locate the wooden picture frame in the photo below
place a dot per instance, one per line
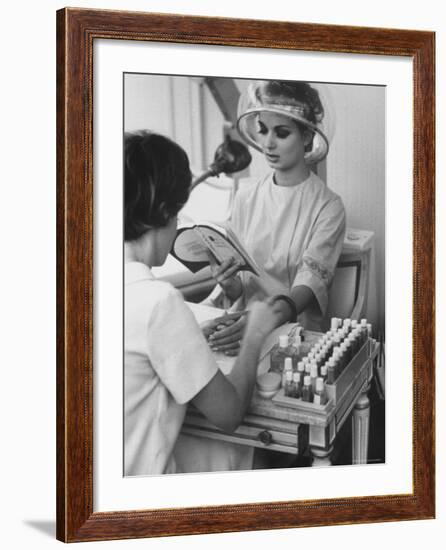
(77, 29)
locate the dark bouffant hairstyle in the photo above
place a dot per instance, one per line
(157, 180)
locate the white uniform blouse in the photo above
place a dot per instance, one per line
(167, 362)
(295, 235)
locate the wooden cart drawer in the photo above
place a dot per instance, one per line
(264, 433)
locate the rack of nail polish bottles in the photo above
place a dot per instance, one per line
(335, 364)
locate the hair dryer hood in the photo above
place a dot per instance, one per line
(231, 156)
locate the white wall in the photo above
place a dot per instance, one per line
(28, 274)
(147, 103)
(178, 107)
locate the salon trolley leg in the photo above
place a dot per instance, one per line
(321, 457)
(360, 429)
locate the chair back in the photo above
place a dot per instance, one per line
(349, 289)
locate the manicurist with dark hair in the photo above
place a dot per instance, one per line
(167, 360)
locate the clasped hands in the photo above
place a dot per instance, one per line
(225, 333)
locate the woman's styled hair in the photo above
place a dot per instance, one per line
(157, 180)
(299, 101)
(298, 93)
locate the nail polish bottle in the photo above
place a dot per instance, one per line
(331, 371)
(279, 354)
(307, 391)
(320, 395)
(288, 389)
(297, 385)
(363, 328)
(324, 372)
(313, 376)
(288, 367)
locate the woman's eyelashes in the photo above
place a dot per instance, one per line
(281, 133)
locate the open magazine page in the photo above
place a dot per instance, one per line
(194, 241)
(222, 244)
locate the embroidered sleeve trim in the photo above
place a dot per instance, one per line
(309, 264)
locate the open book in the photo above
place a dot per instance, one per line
(194, 241)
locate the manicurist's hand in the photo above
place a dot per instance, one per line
(228, 334)
(262, 318)
(226, 276)
(226, 320)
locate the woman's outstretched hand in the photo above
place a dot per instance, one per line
(226, 276)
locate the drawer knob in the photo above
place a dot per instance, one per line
(265, 437)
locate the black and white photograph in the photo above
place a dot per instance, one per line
(254, 274)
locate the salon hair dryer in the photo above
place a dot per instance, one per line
(231, 156)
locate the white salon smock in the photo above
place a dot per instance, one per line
(167, 362)
(295, 235)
